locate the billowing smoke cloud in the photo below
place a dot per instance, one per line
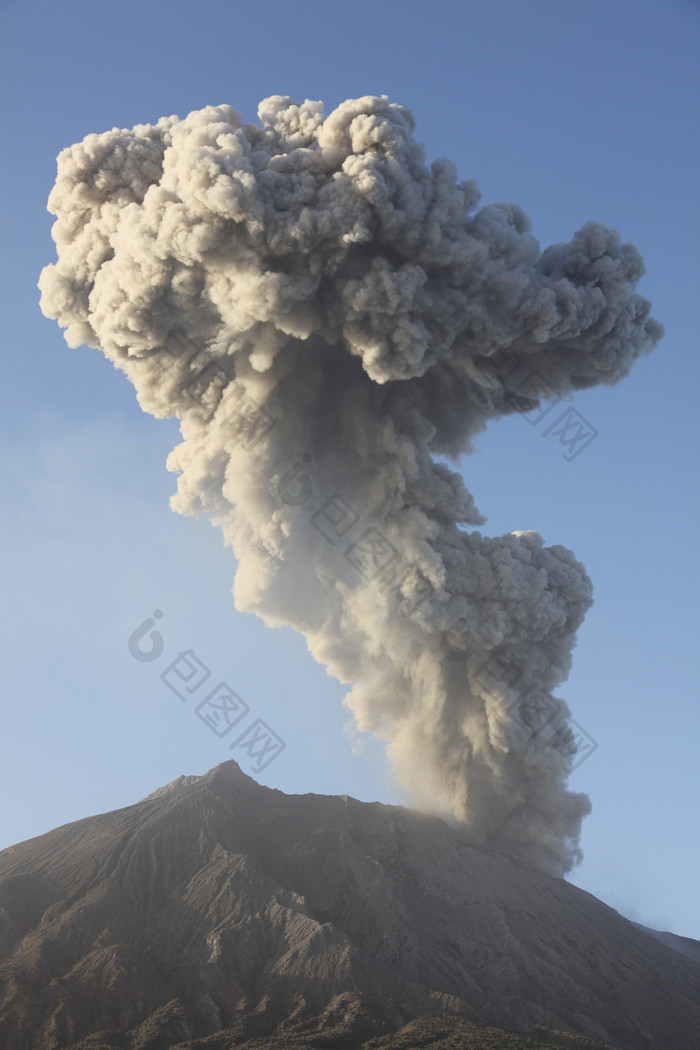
(325, 314)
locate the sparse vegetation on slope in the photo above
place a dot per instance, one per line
(425, 1033)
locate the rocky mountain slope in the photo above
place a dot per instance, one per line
(217, 911)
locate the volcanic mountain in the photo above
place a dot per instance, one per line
(217, 911)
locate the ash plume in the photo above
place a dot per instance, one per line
(324, 312)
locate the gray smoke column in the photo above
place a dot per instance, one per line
(326, 314)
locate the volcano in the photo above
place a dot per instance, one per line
(217, 911)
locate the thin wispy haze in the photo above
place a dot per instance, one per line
(576, 116)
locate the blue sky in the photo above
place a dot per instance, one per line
(575, 111)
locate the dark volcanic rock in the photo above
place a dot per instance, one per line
(216, 904)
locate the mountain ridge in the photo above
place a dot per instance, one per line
(297, 914)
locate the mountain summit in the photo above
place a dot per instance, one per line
(217, 905)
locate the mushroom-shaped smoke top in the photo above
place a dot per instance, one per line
(325, 314)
